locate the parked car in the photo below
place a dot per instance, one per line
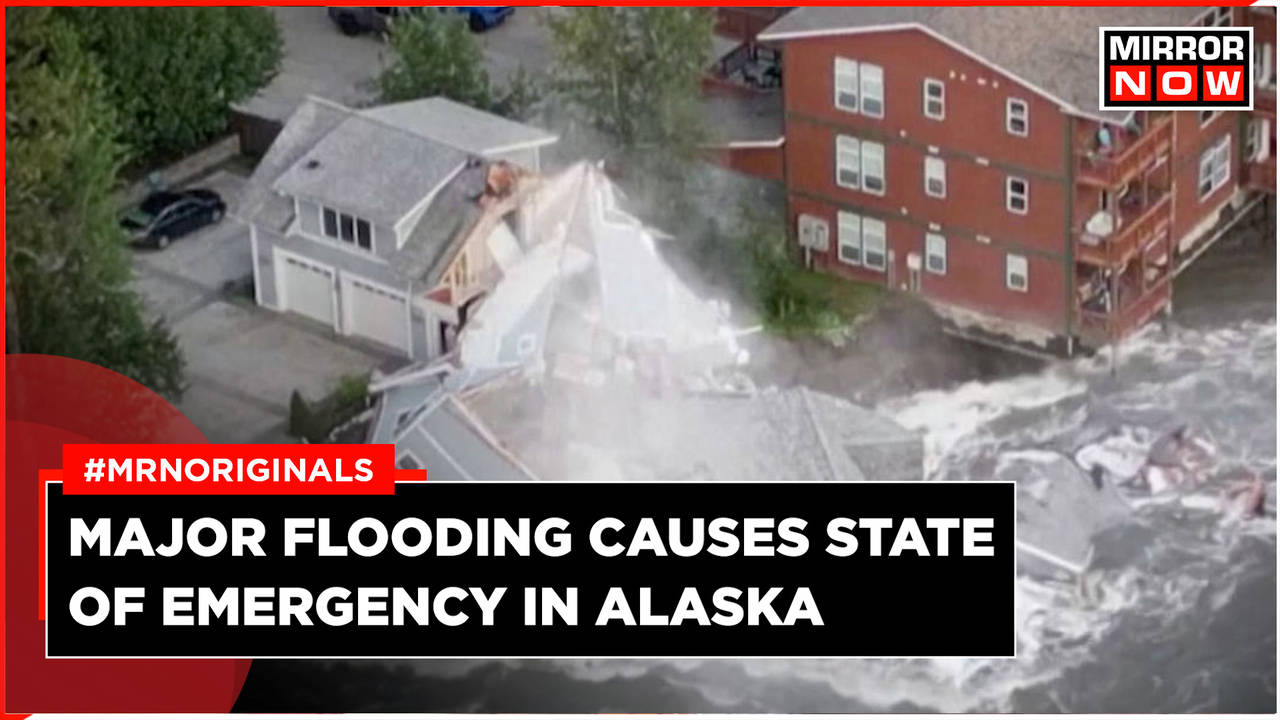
(480, 19)
(355, 20)
(165, 216)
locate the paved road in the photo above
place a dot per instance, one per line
(319, 60)
(243, 361)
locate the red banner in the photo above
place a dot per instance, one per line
(196, 469)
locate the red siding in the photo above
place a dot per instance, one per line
(974, 121)
(1190, 141)
(761, 162)
(979, 154)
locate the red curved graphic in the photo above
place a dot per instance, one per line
(51, 401)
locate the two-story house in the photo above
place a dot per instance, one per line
(959, 153)
(386, 224)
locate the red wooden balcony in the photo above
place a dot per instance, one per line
(1099, 328)
(1139, 224)
(1128, 155)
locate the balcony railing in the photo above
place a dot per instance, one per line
(1127, 156)
(1099, 328)
(1137, 225)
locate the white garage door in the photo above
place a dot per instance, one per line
(376, 313)
(308, 288)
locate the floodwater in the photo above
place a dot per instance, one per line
(1181, 610)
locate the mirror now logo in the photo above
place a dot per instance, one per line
(1149, 68)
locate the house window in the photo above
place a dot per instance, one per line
(1015, 195)
(1215, 167)
(1207, 115)
(1217, 17)
(935, 253)
(873, 244)
(1015, 272)
(873, 168)
(364, 235)
(846, 72)
(1255, 136)
(1015, 116)
(347, 228)
(872, 85)
(1264, 64)
(935, 177)
(849, 235)
(526, 345)
(935, 99)
(848, 162)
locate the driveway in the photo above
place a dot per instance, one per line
(243, 362)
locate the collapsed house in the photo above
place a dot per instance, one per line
(590, 359)
(386, 224)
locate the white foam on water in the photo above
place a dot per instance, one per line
(1058, 624)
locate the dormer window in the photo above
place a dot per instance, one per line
(347, 228)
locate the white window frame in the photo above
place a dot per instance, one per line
(1256, 147)
(873, 166)
(1010, 115)
(848, 234)
(935, 246)
(1009, 194)
(1263, 63)
(935, 168)
(845, 81)
(941, 99)
(1217, 17)
(874, 240)
(1016, 266)
(1208, 116)
(1215, 167)
(848, 157)
(356, 221)
(871, 89)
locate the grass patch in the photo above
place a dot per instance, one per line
(799, 301)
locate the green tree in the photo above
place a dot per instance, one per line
(171, 72)
(67, 265)
(635, 72)
(435, 53)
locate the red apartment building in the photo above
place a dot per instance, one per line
(959, 153)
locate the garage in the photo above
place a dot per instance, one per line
(375, 312)
(307, 287)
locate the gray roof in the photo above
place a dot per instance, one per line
(258, 202)
(460, 126)
(441, 232)
(377, 171)
(1054, 49)
(569, 431)
(424, 418)
(1059, 511)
